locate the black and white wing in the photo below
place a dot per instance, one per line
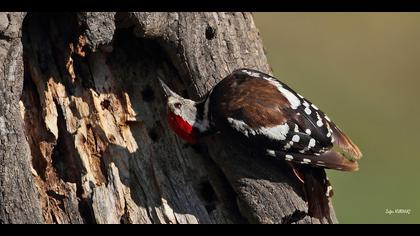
(269, 115)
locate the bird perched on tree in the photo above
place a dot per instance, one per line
(265, 115)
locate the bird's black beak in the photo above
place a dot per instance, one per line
(167, 91)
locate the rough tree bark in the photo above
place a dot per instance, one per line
(82, 122)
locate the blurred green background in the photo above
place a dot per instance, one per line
(363, 70)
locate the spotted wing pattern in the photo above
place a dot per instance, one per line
(271, 116)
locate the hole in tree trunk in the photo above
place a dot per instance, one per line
(147, 94)
(210, 33)
(208, 195)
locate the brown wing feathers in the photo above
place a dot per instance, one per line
(249, 100)
(257, 100)
(344, 142)
(258, 103)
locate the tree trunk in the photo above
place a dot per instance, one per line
(83, 132)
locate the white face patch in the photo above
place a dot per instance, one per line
(308, 131)
(288, 157)
(328, 134)
(308, 111)
(278, 132)
(287, 146)
(316, 108)
(295, 138)
(188, 109)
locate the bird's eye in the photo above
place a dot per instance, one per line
(177, 105)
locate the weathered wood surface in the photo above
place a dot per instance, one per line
(82, 122)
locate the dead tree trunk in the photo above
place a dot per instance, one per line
(82, 122)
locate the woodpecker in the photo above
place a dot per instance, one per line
(267, 116)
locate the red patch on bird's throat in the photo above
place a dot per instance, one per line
(182, 128)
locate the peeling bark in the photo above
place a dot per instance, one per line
(86, 141)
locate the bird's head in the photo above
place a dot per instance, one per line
(181, 114)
